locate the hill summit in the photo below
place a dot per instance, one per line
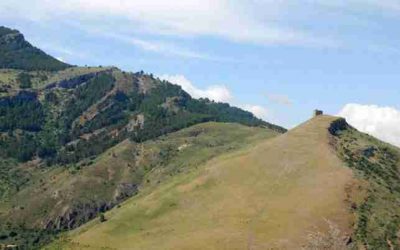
(17, 53)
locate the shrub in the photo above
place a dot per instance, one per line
(24, 80)
(102, 218)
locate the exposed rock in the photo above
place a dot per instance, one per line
(124, 191)
(75, 81)
(72, 216)
(338, 125)
(76, 215)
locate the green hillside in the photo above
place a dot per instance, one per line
(85, 111)
(78, 141)
(49, 200)
(17, 53)
(290, 192)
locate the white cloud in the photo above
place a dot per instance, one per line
(161, 47)
(257, 110)
(381, 122)
(240, 21)
(218, 93)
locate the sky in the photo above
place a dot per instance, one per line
(279, 59)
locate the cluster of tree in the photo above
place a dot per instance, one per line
(25, 238)
(166, 108)
(85, 96)
(17, 53)
(21, 146)
(23, 111)
(24, 80)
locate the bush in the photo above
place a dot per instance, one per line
(24, 80)
(102, 218)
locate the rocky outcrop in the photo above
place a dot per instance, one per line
(73, 216)
(124, 191)
(338, 125)
(75, 81)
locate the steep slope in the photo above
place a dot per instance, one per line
(56, 199)
(17, 53)
(377, 164)
(270, 195)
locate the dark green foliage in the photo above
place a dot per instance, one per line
(56, 136)
(24, 238)
(114, 114)
(16, 53)
(85, 96)
(102, 218)
(22, 111)
(21, 146)
(186, 111)
(12, 179)
(81, 149)
(24, 80)
(223, 112)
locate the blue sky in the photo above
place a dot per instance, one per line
(280, 59)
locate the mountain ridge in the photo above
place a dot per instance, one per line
(17, 53)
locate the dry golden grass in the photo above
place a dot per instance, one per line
(268, 196)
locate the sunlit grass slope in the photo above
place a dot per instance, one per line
(269, 195)
(51, 194)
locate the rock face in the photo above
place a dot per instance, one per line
(76, 215)
(75, 81)
(72, 216)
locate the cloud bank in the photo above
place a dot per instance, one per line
(218, 93)
(381, 122)
(257, 110)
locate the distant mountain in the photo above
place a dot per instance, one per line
(87, 110)
(16, 53)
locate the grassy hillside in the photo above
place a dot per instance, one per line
(54, 199)
(269, 195)
(322, 185)
(17, 53)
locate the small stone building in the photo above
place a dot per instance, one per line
(318, 112)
